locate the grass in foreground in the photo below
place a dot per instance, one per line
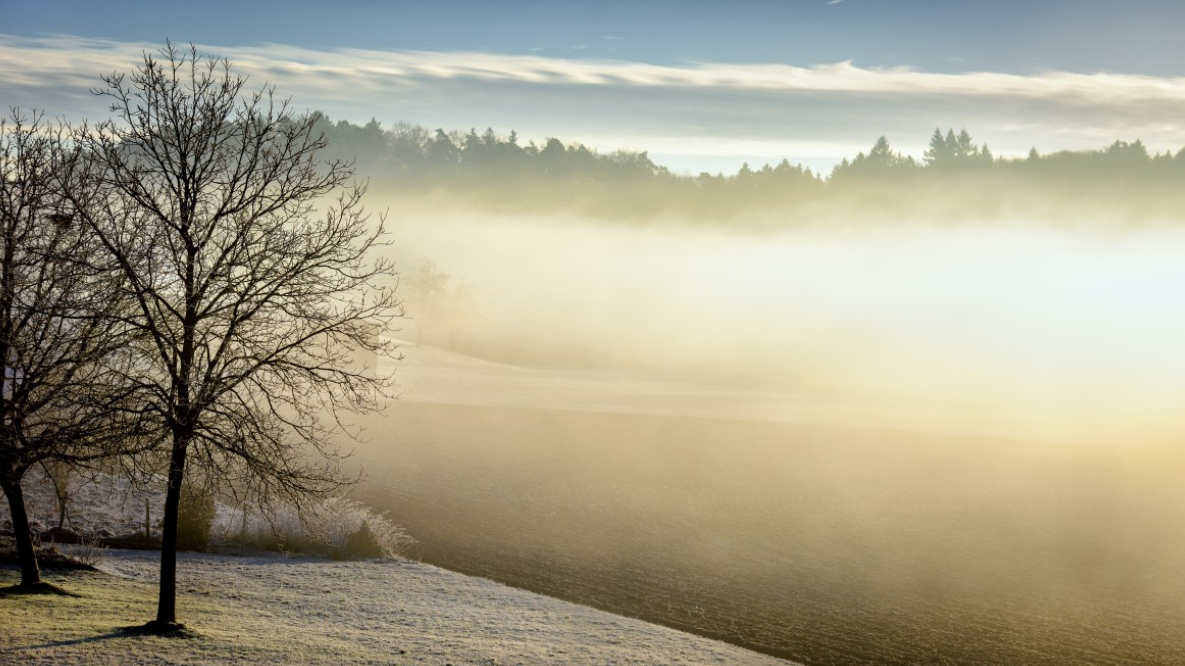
(99, 621)
(306, 611)
(37, 588)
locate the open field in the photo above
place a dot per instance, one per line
(757, 518)
(820, 543)
(270, 610)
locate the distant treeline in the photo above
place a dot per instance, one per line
(955, 179)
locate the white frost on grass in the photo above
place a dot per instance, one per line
(98, 500)
(296, 610)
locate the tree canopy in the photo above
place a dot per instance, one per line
(250, 261)
(67, 396)
(955, 176)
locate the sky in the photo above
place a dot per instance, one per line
(700, 85)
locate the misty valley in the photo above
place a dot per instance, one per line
(845, 445)
(822, 544)
(303, 391)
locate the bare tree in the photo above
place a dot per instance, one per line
(61, 337)
(59, 472)
(251, 263)
(438, 301)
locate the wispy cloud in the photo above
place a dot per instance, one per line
(705, 104)
(30, 60)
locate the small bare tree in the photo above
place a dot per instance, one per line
(58, 473)
(251, 263)
(61, 334)
(436, 300)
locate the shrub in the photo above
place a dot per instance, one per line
(53, 556)
(362, 544)
(195, 518)
(89, 552)
(335, 526)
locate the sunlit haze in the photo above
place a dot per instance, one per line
(846, 332)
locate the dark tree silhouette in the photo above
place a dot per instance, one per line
(939, 152)
(965, 148)
(954, 150)
(882, 155)
(250, 263)
(488, 170)
(61, 335)
(442, 154)
(880, 163)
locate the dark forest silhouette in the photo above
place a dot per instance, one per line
(955, 179)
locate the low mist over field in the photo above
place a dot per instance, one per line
(1046, 331)
(836, 443)
(849, 333)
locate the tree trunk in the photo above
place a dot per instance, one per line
(166, 610)
(59, 474)
(30, 572)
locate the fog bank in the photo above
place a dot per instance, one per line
(1072, 330)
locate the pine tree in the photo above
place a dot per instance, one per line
(965, 148)
(937, 152)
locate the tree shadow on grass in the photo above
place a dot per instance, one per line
(118, 633)
(163, 629)
(168, 631)
(42, 588)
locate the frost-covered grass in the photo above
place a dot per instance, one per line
(103, 501)
(96, 501)
(330, 523)
(270, 609)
